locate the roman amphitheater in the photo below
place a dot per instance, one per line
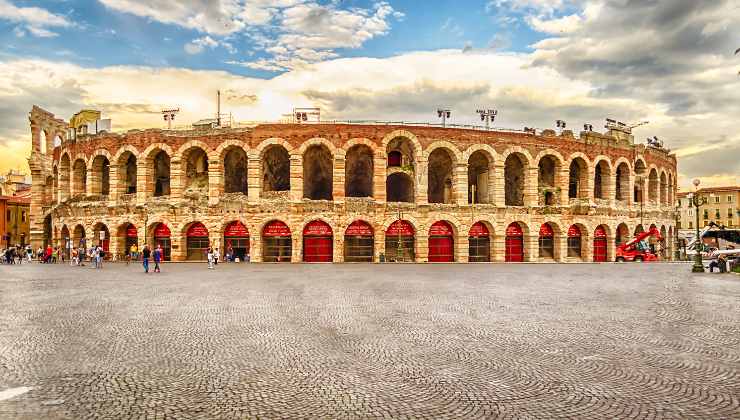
(347, 192)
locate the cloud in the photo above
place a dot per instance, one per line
(35, 20)
(293, 32)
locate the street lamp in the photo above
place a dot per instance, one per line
(697, 201)
(487, 115)
(444, 114)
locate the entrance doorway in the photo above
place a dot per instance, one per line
(236, 238)
(600, 244)
(399, 242)
(277, 242)
(441, 243)
(479, 243)
(359, 242)
(514, 243)
(162, 237)
(318, 242)
(197, 242)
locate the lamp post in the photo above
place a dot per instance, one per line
(696, 200)
(676, 243)
(444, 114)
(487, 115)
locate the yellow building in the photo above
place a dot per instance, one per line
(721, 208)
(15, 227)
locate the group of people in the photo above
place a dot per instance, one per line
(157, 255)
(16, 254)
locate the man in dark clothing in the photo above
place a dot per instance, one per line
(158, 254)
(146, 253)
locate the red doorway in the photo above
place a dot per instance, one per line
(236, 240)
(399, 242)
(514, 243)
(162, 238)
(479, 243)
(318, 242)
(277, 242)
(359, 243)
(600, 244)
(197, 242)
(441, 243)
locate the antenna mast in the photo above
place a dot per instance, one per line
(218, 110)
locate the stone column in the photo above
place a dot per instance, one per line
(564, 184)
(421, 182)
(144, 181)
(498, 192)
(338, 176)
(92, 184)
(421, 242)
(254, 181)
(255, 247)
(297, 255)
(115, 184)
(462, 248)
(530, 186)
(177, 178)
(531, 247)
(215, 181)
(296, 177)
(338, 247)
(460, 180)
(380, 163)
(498, 247)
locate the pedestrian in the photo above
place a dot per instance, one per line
(146, 253)
(60, 252)
(216, 255)
(209, 255)
(134, 252)
(157, 258)
(29, 253)
(94, 256)
(100, 254)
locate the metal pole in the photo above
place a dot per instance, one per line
(698, 265)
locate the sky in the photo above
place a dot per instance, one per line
(669, 62)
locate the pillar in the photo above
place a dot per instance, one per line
(380, 163)
(460, 181)
(215, 180)
(177, 177)
(115, 185)
(296, 178)
(462, 248)
(498, 246)
(421, 241)
(499, 185)
(530, 186)
(338, 177)
(254, 181)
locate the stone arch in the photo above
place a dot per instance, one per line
(274, 166)
(622, 181)
(440, 172)
(317, 141)
(578, 176)
(79, 177)
(272, 141)
(402, 134)
(663, 187)
(602, 173)
(194, 162)
(156, 160)
(452, 149)
(481, 167)
(359, 171)
(235, 166)
(126, 160)
(99, 168)
(550, 247)
(653, 186)
(549, 177)
(318, 171)
(577, 247)
(65, 171)
(516, 165)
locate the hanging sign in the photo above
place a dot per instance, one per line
(197, 230)
(276, 228)
(574, 232)
(317, 228)
(479, 230)
(101, 235)
(359, 228)
(131, 231)
(162, 231)
(600, 232)
(440, 229)
(546, 231)
(400, 227)
(236, 229)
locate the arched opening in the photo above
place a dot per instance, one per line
(64, 172)
(236, 239)
(318, 170)
(663, 189)
(622, 234)
(47, 231)
(578, 179)
(514, 179)
(79, 178)
(161, 171)
(128, 236)
(318, 242)
(102, 237)
(235, 171)
(66, 238)
(575, 244)
(399, 242)
(601, 176)
(546, 241)
(395, 159)
(478, 178)
(275, 169)
(547, 177)
(638, 230)
(622, 183)
(359, 242)
(127, 173)
(441, 242)
(401, 154)
(439, 188)
(101, 176)
(400, 188)
(653, 187)
(479, 243)
(162, 239)
(514, 243)
(600, 238)
(358, 172)
(197, 242)
(42, 142)
(78, 237)
(276, 242)
(195, 162)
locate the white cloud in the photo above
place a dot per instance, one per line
(35, 20)
(562, 25)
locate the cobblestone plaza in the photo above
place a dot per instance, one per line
(369, 341)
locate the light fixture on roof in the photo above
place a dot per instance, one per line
(487, 115)
(444, 114)
(588, 127)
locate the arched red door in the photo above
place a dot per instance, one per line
(236, 240)
(600, 244)
(277, 242)
(547, 241)
(359, 243)
(574, 242)
(318, 242)
(132, 237)
(479, 243)
(514, 243)
(197, 242)
(162, 237)
(441, 243)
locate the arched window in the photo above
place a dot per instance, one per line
(318, 242)
(479, 243)
(358, 172)
(359, 243)
(478, 178)
(318, 173)
(441, 243)
(277, 242)
(275, 169)
(235, 171)
(514, 243)
(440, 177)
(546, 241)
(399, 242)
(574, 242)
(197, 242)
(514, 180)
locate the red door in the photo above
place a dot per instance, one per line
(318, 242)
(441, 245)
(600, 244)
(514, 243)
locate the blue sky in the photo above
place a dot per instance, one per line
(669, 62)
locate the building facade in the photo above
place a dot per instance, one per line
(15, 227)
(350, 192)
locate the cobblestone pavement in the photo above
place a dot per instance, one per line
(369, 341)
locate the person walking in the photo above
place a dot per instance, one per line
(100, 255)
(134, 252)
(146, 253)
(157, 258)
(209, 255)
(216, 255)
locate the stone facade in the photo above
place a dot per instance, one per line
(340, 173)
